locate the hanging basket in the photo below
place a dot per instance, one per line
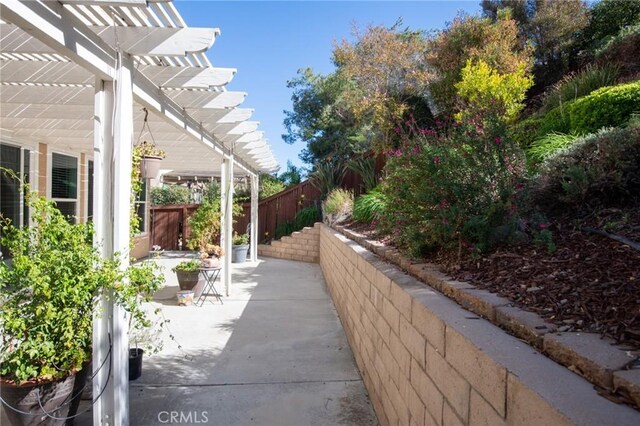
(150, 167)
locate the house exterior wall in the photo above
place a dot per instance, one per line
(40, 180)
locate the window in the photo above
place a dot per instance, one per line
(12, 205)
(141, 208)
(10, 187)
(64, 184)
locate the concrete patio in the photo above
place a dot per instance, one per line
(274, 353)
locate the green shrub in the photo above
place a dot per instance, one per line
(240, 239)
(307, 217)
(606, 107)
(453, 190)
(548, 145)
(369, 207)
(579, 84)
(170, 194)
(556, 120)
(610, 106)
(286, 228)
(339, 201)
(600, 169)
(523, 132)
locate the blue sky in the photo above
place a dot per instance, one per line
(268, 41)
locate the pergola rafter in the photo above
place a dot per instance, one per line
(86, 76)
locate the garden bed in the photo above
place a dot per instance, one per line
(590, 283)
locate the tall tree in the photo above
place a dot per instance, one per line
(551, 26)
(292, 176)
(474, 39)
(321, 118)
(387, 73)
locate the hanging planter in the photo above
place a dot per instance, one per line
(150, 167)
(150, 159)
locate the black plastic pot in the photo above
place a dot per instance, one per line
(135, 363)
(60, 398)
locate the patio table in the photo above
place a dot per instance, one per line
(210, 276)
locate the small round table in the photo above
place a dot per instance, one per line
(210, 275)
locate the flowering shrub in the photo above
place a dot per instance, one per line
(451, 187)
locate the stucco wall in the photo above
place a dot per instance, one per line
(425, 360)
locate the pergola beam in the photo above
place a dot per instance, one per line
(158, 41)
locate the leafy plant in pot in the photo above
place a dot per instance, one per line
(144, 281)
(210, 255)
(188, 273)
(149, 157)
(240, 248)
(49, 293)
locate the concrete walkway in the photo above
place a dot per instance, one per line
(274, 353)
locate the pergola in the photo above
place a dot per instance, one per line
(81, 74)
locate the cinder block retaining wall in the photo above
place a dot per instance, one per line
(427, 361)
(303, 245)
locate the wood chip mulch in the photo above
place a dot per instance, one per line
(591, 283)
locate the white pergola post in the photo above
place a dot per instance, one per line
(253, 238)
(112, 189)
(226, 231)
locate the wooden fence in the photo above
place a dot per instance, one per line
(169, 223)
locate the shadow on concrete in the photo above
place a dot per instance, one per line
(274, 354)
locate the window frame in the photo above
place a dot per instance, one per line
(50, 180)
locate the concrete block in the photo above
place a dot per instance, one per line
(400, 299)
(389, 410)
(427, 391)
(382, 327)
(382, 283)
(525, 325)
(480, 370)
(400, 353)
(453, 289)
(416, 407)
(527, 408)
(449, 417)
(587, 353)
(481, 413)
(627, 383)
(482, 302)
(392, 315)
(413, 341)
(428, 324)
(452, 385)
(393, 369)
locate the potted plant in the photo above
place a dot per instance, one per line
(210, 255)
(188, 273)
(150, 158)
(144, 281)
(48, 296)
(240, 248)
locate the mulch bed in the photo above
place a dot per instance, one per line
(591, 282)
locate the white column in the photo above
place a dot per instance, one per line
(254, 218)
(112, 189)
(226, 231)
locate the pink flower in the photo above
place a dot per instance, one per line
(397, 129)
(498, 140)
(436, 160)
(543, 226)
